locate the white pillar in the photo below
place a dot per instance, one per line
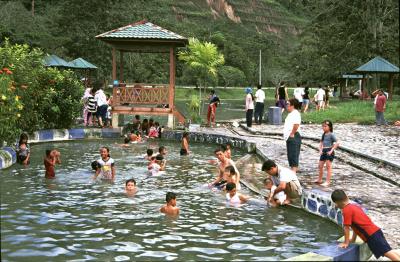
(114, 121)
(170, 120)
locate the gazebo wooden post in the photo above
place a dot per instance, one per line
(114, 120)
(121, 66)
(390, 86)
(171, 90)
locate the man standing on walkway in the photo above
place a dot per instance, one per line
(298, 93)
(259, 110)
(291, 134)
(380, 106)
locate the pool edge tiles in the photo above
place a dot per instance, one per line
(314, 201)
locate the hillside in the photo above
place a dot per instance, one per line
(239, 27)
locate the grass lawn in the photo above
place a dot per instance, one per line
(354, 111)
(351, 111)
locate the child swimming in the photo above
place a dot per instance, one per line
(23, 150)
(106, 163)
(170, 207)
(130, 187)
(232, 196)
(51, 159)
(230, 176)
(279, 198)
(149, 154)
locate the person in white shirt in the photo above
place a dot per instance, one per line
(298, 94)
(249, 107)
(259, 110)
(291, 134)
(102, 106)
(285, 181)
(319, 98)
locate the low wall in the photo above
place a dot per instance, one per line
(314, 201)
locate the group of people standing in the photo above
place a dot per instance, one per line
(96, 104)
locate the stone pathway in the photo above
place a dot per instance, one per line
(382, 142)
(378, 196)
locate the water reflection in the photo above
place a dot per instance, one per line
(73, 218)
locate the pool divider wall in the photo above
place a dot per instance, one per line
(314, 201)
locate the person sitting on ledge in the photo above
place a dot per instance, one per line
(284, 179)
(354, 217)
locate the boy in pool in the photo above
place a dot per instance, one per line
(51, 159)
(95, 165)
(149, 154)
(130, 187)
(279, 198)
(232, 196)
(170, 207)
(230, 175)
(185, 144)
(162, 150)
(354, 217)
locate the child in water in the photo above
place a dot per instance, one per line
(51, 159)
(149, 154)
(327, 147)
(23, 150)
(185, 144)
(170, 207)
(130, 187)
(232, 196)
(354, 217)
(279, 198)
(230, 175)
(106, 164)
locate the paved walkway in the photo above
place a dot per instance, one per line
(379, 197)
(381, 142)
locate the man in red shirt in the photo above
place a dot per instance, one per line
(354, 217)
(380, 106)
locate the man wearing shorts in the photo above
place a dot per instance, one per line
(284, 179)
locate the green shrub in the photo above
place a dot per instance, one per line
(50, 97)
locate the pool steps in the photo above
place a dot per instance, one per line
(314, 201)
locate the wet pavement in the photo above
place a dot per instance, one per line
(382, 142)
(379, 197)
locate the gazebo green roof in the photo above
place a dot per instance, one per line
(53, 60)
(143, 31)
(82, 64)
(378, 65)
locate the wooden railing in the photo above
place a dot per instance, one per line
(141, 94)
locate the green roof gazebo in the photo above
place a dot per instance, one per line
(55, 61)
(379, 65)
(86, 66)
(144, 37)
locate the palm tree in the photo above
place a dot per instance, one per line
(204, 58)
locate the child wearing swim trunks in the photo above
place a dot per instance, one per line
(106, 164)
(279, 198)
(232, 196)
(170, 207)
(354, 217)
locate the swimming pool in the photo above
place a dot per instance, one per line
(74, 218)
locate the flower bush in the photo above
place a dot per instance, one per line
(46, 97)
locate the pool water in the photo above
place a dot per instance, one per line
(74, 218)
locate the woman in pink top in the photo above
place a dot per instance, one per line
(249, 106)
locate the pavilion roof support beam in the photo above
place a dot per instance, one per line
(121, 66)
(172, 67)
(114, 64)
